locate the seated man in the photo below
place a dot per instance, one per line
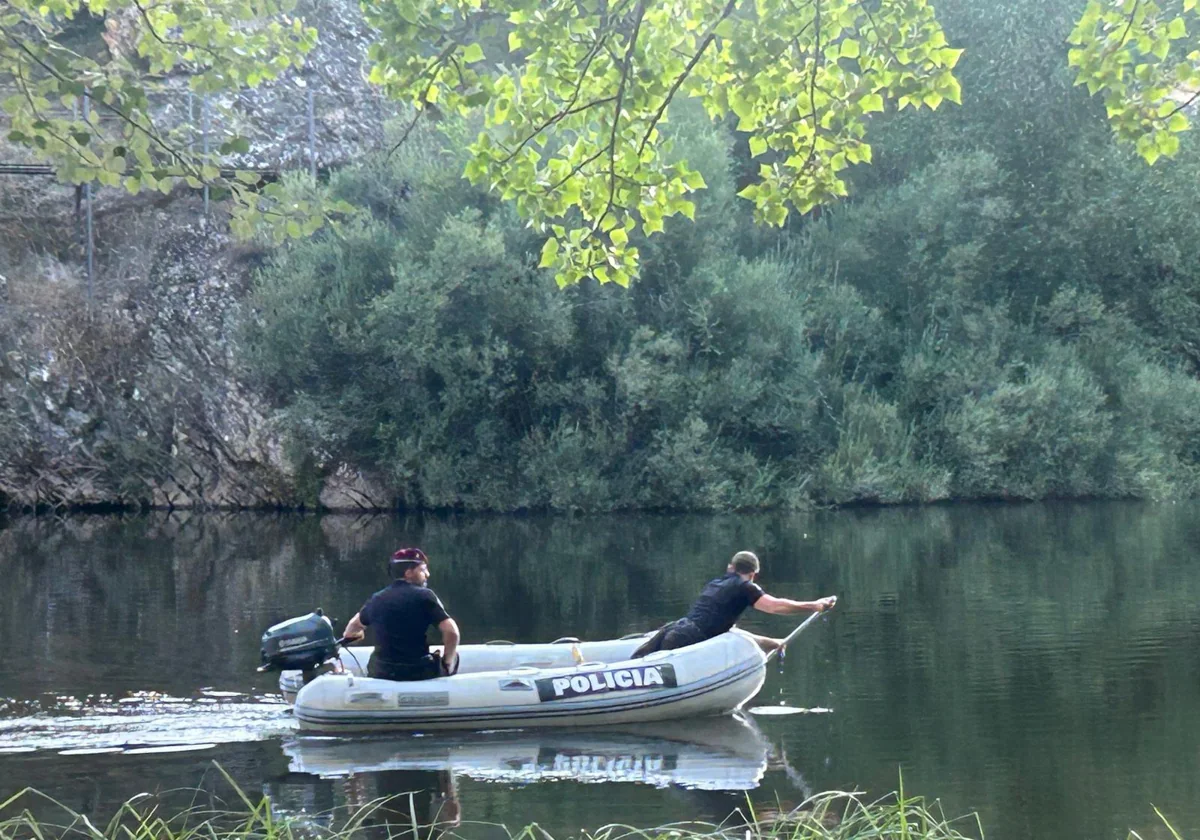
(720, 604)
(401, 614)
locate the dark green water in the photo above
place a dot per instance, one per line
(1038, 664)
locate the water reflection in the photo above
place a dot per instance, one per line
(404, 780)
(1039, 663)
(385, 803)
(708, 754)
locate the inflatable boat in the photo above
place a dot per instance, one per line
(512, 686)
(518, 686)
(726, 753)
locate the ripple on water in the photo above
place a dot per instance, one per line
(140, 723)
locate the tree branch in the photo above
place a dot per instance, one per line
(708, 38)
(627, 64)
(569, 108)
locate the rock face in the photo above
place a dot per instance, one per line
(138, 400)
(135, 396)
(347, 114)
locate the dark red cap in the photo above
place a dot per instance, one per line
(406, 556)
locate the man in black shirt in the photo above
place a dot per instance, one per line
(720, 604)
(400, 615)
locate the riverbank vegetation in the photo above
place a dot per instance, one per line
(1005, 308)
(834, 815)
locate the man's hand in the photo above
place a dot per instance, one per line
(826, 603)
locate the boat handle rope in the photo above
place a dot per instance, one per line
(345, 642)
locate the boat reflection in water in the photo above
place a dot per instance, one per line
(726, 753)
(418, 774)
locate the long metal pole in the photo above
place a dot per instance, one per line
(78, 188)
(790, 636)
(88, 202)
(204, 114)
(312, 137)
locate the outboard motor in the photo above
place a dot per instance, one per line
(299, 644)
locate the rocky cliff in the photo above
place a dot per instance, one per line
(131, 395)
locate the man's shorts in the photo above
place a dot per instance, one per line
(671, 636)
(426, 668)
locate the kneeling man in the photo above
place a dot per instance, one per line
(720, 604)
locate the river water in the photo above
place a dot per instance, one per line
(1037, 664)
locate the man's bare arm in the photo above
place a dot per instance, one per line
(786, 606)
(450, 637)
(354, 628)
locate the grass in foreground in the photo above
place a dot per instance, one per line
(833, 815)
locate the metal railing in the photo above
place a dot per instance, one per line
(176, 113)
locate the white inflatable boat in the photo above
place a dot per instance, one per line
(506, 686)
(727, 753)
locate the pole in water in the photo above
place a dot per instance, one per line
(781, 651)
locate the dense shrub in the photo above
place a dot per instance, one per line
(1007, 307)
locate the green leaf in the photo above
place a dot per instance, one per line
(953, 91)
(549, 253)
(757, 146)
(870, 103)
(473, 53)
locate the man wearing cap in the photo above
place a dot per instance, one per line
(401, 614)
(721, 603)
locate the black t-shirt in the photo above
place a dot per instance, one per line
(721, 602)
(400, 615)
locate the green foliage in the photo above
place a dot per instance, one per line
(877, 457)
(1038, 433)
(90, 112)
(576, 96)
(926, 341)
(1139, 54)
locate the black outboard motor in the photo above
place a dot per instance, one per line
(299, 644)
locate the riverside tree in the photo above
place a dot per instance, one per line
(573, 94)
